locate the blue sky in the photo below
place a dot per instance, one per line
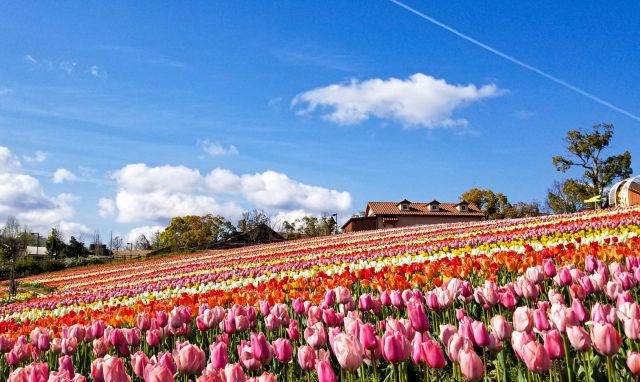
(140, 103)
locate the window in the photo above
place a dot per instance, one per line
(434, 207)
(463, 207)
(404, 207)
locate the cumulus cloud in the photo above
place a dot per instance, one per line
(8, 161)
(148, 231)
(160, 193)
(63, 175)
(215, 149)
(419, 101)
(22, 196)
(156, 194)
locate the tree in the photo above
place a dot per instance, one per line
(142, 243)
(155, 240)
(586, 152)
(55, 243)
(522, 210)
(490, 203)
(11, 243)
(253, 218)
(568, 196)
(309, 226)
(196, 231)
(75, 249)
(117, 243)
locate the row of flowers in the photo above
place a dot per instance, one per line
(555, 320)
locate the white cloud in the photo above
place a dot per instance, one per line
(96, 71)
(22, 196)
(419, 101)
(107, 207)
(148, 231)
(156, 194)
(160, 193)
(67, 66)
(8, 161)
(63, 175)
(215, 149)
(38, 157)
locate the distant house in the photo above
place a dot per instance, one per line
(36, 251)
(625, 193)
(380, 215)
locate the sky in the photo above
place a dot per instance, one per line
(116, 116)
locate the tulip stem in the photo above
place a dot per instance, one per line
(566, 357)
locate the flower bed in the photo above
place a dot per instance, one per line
(529, 299)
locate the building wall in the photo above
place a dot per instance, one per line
(407, 221)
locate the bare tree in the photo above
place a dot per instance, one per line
(142, 243)
(117, 243)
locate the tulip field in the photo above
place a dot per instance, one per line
(552, 298)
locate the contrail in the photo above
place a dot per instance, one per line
(517, 62)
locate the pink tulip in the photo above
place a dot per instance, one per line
(329, 298)
(367, 336)
(306, 357)
(261, 348)
(316, 336)
(348, 351)
(523, 319)
(132, 336)
(446, 331)
(219, 354)
(606, 339)
(535, 274)
(549, 268)
(153, 337)
(139, 361)
(166, 360)
(69, 345)
(480, 334)
(416, 350)
(433, 354)
(418, 317)
(246, 356)
(97, 373)
(501, 327)
(508, 299)
(455, 345)
(233, 373)
(143, 321)
(113, 370)
(578, 337)
(536, 357)
(471, 365)
(66, 364)
(298, 306)
(292, 331)
(189, 359)
(603, 313)
(633, 363)
(157, 373)
(540, 320)
(325, 371)
(519, 339)
(553, 344)
(563, 278)
(283, 350)
(395, 347)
